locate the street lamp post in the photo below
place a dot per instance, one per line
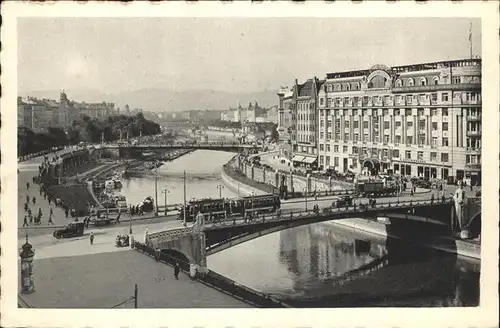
(220, 187)
(130, 222)
(253, 195)
(184, 208)
(156, 190)
(307, 190)
(165, 192)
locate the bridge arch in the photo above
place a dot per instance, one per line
(177, 255)
(474, 225)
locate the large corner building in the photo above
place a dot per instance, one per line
(415, 120)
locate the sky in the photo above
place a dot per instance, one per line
(236, 55)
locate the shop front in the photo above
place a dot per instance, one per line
(308, 162)
(472, 174)
(421, 170)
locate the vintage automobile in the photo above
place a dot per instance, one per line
(122, 241)
(342, 201)
(74, 229)
(422, 183)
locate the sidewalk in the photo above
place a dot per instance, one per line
(107, 279)
(46, 246)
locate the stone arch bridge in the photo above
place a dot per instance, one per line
(203, 239)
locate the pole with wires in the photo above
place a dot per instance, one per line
(184, 209)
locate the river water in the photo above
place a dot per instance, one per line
(324, 264)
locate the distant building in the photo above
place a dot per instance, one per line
(252, 113)
(39, 114)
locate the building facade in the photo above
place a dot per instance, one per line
(252, 113)
(416, 120)
(286, 105)
(304, 125)
(40, 114)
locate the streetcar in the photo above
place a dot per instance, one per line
(221, 209)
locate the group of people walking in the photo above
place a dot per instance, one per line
(31, 216)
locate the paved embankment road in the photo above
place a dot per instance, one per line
(107, 279)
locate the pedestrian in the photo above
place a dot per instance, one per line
(411, 192)
(45, 196)
(40, 213)
(26, 207)
(66, 212)
(432, 199)
(25, 223)
(118, 217)
(51, 211)
(91, 238)
(27, 185)
(177, 269)
(443, 198)
(50, 199)
(50, 218)
(27, 198)
(471, 187)
(31, 217)
(40, 191)
(34, 200)
(414, 189)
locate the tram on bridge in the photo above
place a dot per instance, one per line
(224, 208)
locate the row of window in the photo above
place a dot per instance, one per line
(306, 117)
(386, 125)
(415, 99)
(409, 140)
(468, 111)
(396, 112)
(406, 82)
(443, 158)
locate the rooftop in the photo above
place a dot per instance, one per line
(407, 68)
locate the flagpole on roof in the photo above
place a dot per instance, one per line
(470, 40)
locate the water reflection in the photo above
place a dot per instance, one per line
(332, 266)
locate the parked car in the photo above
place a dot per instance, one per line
(74, 229)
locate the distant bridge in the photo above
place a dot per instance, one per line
(206, 238)
(224, 146)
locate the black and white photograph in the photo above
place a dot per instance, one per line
(226, 161)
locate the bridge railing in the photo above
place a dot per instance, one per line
(322, 193)
(302, 214)
(326, 212)
(153, 237)
(186, 145)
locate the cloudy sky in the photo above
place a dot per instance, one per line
(233, 54)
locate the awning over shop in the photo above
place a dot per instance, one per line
(309, 160)
(297, 158)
